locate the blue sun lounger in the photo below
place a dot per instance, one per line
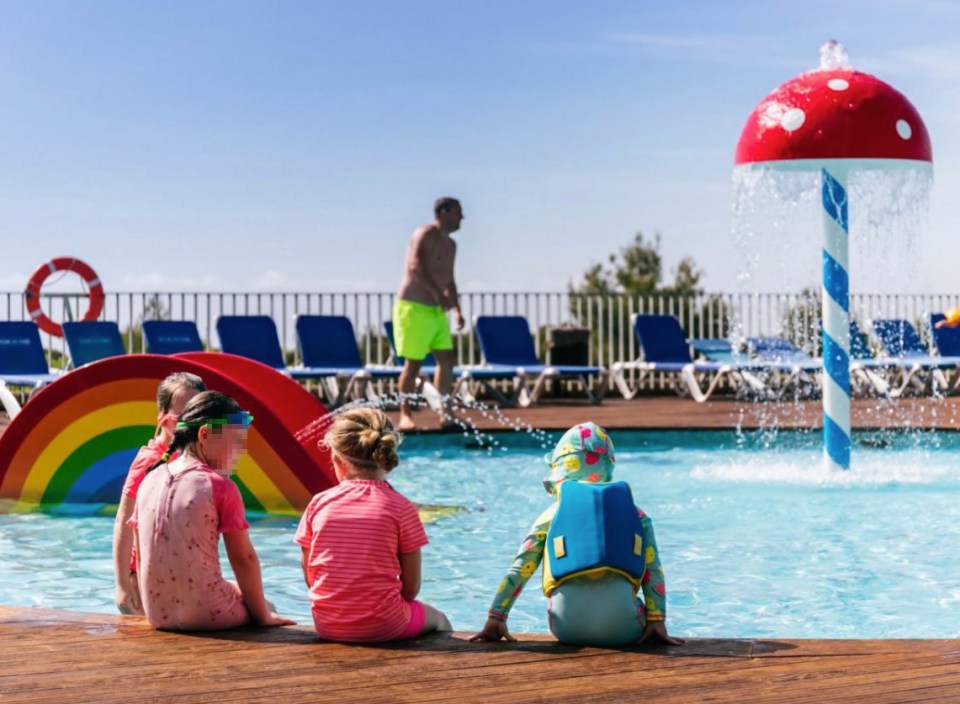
(92, 340)
(664, 349)
(945, 340)
(328, 346)
(172, 336)
(902, 345)
(507, 349)
(794, 369)
(865, 371)
(23, 363)
(255, 337)
(869, 374)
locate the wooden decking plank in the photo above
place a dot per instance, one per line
(421, 685)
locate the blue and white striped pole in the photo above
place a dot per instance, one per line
(836, 319)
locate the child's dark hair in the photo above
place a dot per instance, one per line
(174, 383)
(204, 407)
(365, 438)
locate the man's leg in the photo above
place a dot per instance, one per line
(443, 380)
(408, 386)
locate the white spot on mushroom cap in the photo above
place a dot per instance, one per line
(838, 84)
(793, 119)
(904, 129)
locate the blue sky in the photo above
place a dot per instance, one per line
(294, 145)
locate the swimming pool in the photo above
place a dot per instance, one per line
(756, 539)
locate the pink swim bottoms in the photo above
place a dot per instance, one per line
(417, 618)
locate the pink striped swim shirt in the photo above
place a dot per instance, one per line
(354, 535)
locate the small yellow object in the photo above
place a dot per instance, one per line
(952, 315)
(637, 544)
(558, 548)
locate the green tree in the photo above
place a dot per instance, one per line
(636, 273)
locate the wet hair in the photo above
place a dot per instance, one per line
(365, 438)
(444, 204)
(174, 383)
(202, 408)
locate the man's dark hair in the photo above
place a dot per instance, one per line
(444, 204)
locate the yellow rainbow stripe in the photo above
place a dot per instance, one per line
(75, 434)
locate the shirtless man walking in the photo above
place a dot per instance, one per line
(427, 291)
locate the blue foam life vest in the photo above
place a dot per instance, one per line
(595, 531)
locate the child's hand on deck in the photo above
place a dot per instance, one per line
(494, 629)
(128, 596)
(657, 631)
(275, 619)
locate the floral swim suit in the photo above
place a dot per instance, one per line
(586, 610)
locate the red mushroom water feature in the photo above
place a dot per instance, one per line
(835, 120)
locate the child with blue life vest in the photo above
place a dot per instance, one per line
(598, 551)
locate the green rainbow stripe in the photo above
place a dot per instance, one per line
(81, 459)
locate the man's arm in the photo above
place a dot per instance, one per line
(451, 302)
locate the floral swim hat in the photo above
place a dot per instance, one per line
(584, 454)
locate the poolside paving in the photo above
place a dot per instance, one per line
(54, 657)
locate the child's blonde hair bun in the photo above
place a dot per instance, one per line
(365, 436)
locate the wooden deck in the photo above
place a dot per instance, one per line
(672, 412)
(54, 657)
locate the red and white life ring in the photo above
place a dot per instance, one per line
(32, 294)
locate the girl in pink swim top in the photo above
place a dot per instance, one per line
(172, 395)
(182, 508)
(361, 541)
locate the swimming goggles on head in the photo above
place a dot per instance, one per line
(241, 418)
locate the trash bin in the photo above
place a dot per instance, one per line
(568, 345)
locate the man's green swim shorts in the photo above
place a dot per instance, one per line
(419, 328)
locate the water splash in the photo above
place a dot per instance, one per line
(872, 469)
(777, 230)
(453, 411)
(833, 57)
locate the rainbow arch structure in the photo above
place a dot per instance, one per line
(69, 449)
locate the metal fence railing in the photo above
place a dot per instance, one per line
(732, 315)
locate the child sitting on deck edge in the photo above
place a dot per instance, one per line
(598, 550)
(361, 541)
(183, 507)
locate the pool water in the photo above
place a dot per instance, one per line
(756, 538)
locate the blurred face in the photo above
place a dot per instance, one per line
(222, 446)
